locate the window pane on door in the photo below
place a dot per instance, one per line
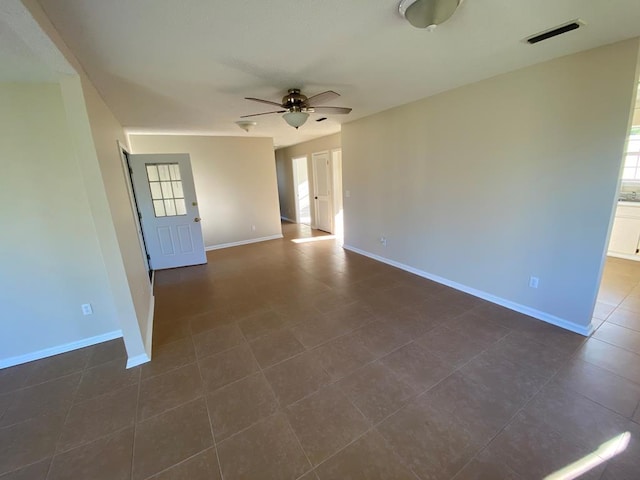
(170, 207)
(156, 191)
(163, 171)
(152, 173)
(166, 189)
(177, 189)
(181, 208)
(174, 171)
(158, 208)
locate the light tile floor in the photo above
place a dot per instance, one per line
(286, 360)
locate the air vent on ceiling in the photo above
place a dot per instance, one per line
(555, 31)
(321, 119)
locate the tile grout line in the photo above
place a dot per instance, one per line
(607, 369)
(510, 421)
(336, 381)
(280, 409)
(626, 349)
(135, 423)
(21, 389)
(374, 425)
(456, 369)
(66, 418)
(206, 405)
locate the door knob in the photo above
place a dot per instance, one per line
(197, 219)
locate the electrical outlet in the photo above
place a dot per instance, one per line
(87, 309)
(533, 282)
(383, 241)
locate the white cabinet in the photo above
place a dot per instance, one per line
(625, 234)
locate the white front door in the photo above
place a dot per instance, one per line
(322, 191)
(166, 197)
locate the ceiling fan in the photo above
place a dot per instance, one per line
(297, 107)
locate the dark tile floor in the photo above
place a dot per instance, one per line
(286, 360)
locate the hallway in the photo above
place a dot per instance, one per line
(300, 360)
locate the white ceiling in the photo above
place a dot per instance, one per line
(185, 66)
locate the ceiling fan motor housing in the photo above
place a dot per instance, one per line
(294, 100)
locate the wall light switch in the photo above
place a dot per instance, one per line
(533, 282)
(87, 309)
(347, 193)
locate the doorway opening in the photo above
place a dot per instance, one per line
(327, 192)
(616, 312)
(322, 191)
(301, 190)
(338, 218)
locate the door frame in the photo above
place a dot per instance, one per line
(135, 211)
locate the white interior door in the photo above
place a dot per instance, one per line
(322, 191)
(166, 197)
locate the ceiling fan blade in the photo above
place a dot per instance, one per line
(268, 102)
(265, 113)
(322, 97)
(332, 110)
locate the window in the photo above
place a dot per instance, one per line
(165, 184)
(632, 156)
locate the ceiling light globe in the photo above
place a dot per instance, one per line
(295, 119)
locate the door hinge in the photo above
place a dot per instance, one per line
(139, 215)
(637, 250)
(148, 257)
(130, 171)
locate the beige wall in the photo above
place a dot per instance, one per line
(50, 259)
(94, 133)
(284, 168)
(97, 133)
(494, 182)
(235, 182)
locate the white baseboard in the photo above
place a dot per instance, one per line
(545, 317)
(626, 256)
(67, 347)
(138, 360)
(243, 242)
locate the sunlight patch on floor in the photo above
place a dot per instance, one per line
(604, 452)
(314, 239)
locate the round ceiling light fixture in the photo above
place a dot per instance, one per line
(246, 125)
(428, 13)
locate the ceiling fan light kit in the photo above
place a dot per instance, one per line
(297, 107)
(428, 13)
